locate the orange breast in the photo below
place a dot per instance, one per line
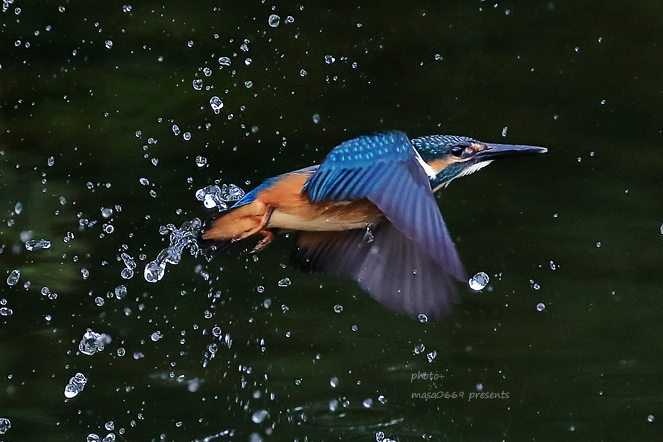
(293, 211)
(283, 206)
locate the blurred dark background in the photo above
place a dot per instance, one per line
(107, 105)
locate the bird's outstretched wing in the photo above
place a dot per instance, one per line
(391, 268)
(387, 170)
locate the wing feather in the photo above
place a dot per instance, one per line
(393, 269)
(384, 168)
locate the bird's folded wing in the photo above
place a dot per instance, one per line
(391, 267)
(385, 169)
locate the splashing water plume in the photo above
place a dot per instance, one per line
(180, 239)
(215, 196)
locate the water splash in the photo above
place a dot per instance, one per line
(35, 244)
(180, 239)
(130, 266)
(76, 385)
(215, 196)
(93, 342)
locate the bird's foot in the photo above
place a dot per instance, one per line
(269, 236)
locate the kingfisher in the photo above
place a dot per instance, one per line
(368, 213)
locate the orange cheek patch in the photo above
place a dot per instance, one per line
(439, 165)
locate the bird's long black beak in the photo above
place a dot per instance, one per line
(493, 151)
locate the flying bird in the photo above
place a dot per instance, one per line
(369, 213)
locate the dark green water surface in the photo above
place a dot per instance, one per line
(90, 94)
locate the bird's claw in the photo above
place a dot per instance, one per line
(269, 236)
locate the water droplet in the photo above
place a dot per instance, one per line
(248, 84)
(338, 308)
(540, 307)
(153, 271)
(126, 8)
(423, 318)
(106, 212)
(34, 244)
(329, 59)
(93, 342)
(479, 281)
(156, 336)
(13, 277)
(303, 73)
(259, 416)
(431, 356)
(650, 419)
(333, 382)
(661, 229)
(198, 84)
(5, 425)
(504, 130)
(50, 161)
(368, 236)
(316, 118)
(224, 61)
(18, 208)
(553, 266)
(207, 72)
(76, 385)
(420, 348)
(274, 20)
(216, 104)
(201, 161)
(285, 282)
(120, 291)
(108, 44)
(176, 129)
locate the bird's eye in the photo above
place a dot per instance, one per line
(457, 151)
